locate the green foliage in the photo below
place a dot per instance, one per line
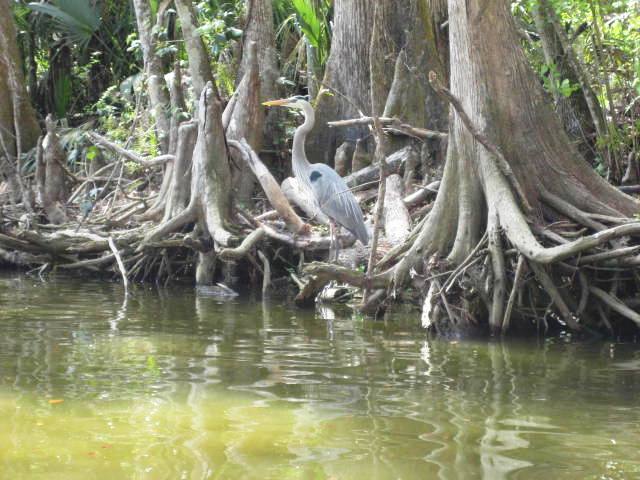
(305, 25)
(554, 83)
(77, 19)
(219, 25)
(312, 22)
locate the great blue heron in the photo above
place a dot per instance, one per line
(333, 196)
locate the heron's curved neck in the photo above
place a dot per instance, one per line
(299, 157)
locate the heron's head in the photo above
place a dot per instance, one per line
(297, 102)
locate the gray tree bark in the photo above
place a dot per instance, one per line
(199, 66)
(399, 85)
(55, 189)
(156, 85)
(259, 29)
(246, 121)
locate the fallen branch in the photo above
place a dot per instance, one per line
(308, 242)
(421, 194)
(123, 270)
(395, 124)
(129, 155)
(270, 186)
(616, 305)
(328, 272)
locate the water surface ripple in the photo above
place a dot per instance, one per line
(173, 385)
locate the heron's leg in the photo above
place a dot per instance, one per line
(336, 239)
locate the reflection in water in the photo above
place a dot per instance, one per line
(172, 384)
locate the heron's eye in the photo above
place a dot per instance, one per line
(315, 175)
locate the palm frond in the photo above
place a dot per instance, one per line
(77, 19)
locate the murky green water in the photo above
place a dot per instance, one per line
(172, 385)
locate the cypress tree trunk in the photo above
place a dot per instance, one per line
(259, 29)
(347, 71)
(156, 85)
(529, 178)
(199, 66)
(399, 86)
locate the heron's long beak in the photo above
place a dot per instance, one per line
(276, 103)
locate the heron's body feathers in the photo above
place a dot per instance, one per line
(336, 200)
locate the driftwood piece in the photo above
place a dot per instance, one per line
(299, 196)
(269, 185)
(397, 221)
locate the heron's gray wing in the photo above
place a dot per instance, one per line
(337, 201)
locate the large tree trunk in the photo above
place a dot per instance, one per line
(246, 122)
(407, 48)
(259, 29)
(533, 178)
(347, 71)
(156, 85)
(19, 130)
